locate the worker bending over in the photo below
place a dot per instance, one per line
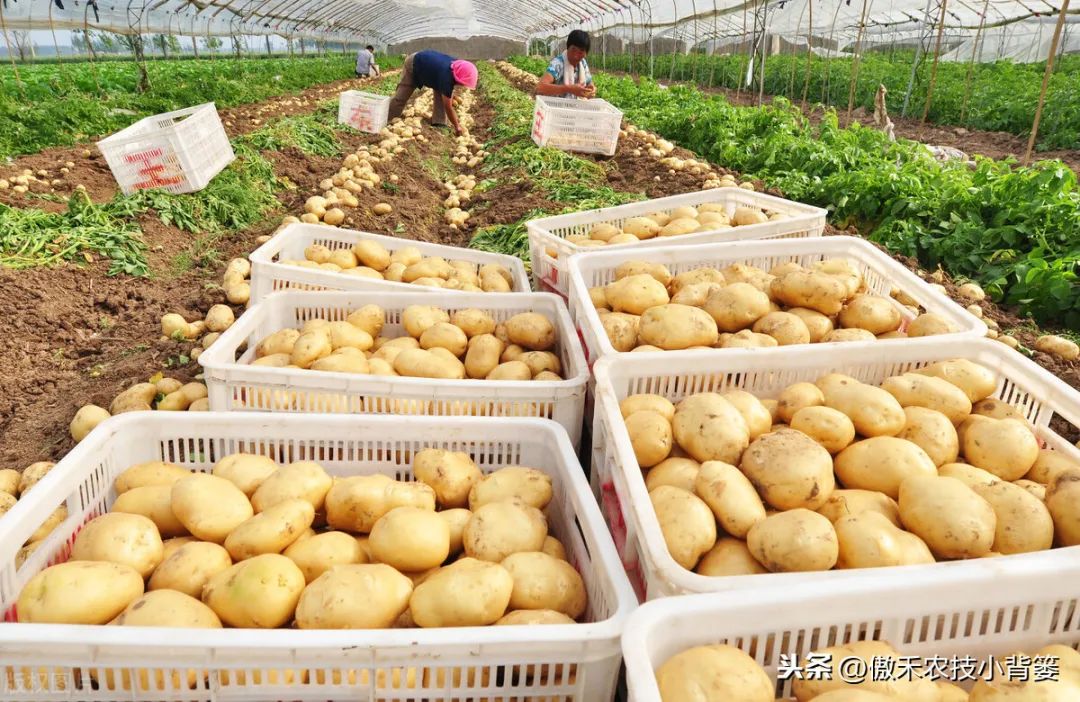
(568, 73)
(441, 73)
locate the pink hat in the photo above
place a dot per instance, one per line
(464, 73)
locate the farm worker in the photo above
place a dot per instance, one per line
(441, 73)
(365, 62)
(568, 73)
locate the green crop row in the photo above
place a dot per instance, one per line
(1011, 229)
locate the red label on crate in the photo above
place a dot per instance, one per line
(613, 512)
(143, 155)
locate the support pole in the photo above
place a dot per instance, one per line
(1046, 81)
(809, 52)
(919, 50)
(971, 62)
(933, 68)
(855, 61)
(764, 51)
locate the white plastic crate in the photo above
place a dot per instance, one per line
(571, 663)
(880, 271)
(268, 275)
(179, 151)
(991, 608)
(549, 250)
(234, 384)
(365, 112)
(589, 126)
(620, 485)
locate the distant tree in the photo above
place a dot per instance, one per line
(161, 42)
(135, 44)
(212, 44)
(78, 41)
(174, 44)
(238, 44)
(24, 45)
(105, 42)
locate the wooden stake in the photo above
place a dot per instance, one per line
(855, 61)
(933, 68)
(1046, 80)
(809, 51)
(971, 62)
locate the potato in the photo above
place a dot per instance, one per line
(868, 540)
(137, 397)
(647, 402)
(259, 593)
(996, 409)
(1005, 447)
(482, 356)
(816, 323)
(687, 523)
(190, 567)
(1058, 346)
(882, 463)
(118, 537)
(371, 254)
(696, 277)
(836, 684)
(545, 582)
(1049, 465)
(84, 421)
(1063, 499)
(410, 539)
(9, 480)
(346, 335)
(641, 227)
(752, 275)
(709, 428)
(434, 267)
(469, 592)
(473, 322)
(719, 673)
(797, 396)
(168, 608)
(7, 501)
(531, 330)
(680, 226)
(933, 432)
(451, 474)
(758, 418)
(729, 557)
(737, 306)
(915, 390)
(1023, 521)
(796, 540)
(277, 360)
(345, 360)
(598, 297)
(696, 294)
(79, 592)
(811, 290)
(531, 486)
(512, 370)
(369, 318)
(635, 294)
(650, 436)
(948, 515)
(209, 507)
(155, 503)
(675, 327)
(968, 475)
(355, 503)
(146, 474)
(828, 427)
(621, 330)
(305, 480)
(786, 328)
(675, 471)
(929, 324)
(456, 519)
(444, 335)
(977, 382)
(55, 519)
(1036, 489)
(491, 281)
(354, 596)
(842, 336)
(789, 470)
(731, 497)
(244, 470)
(418, 318)
(876, 315)
(271, 530)
(873, 411)
(310, 347)
(530, 617)
(845, 503)
(603, 231)
(657, 270)
(499, 529)
(322, 552)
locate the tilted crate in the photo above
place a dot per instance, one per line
(364, 112)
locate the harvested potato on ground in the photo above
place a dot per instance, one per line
(190, 567)
(953, 520)
(79, 592)
(259, 593)
(354, 596)
(686, 522)
(719, 673)
(84, 421)
(9, 480)
(468, 592)
(796, 540)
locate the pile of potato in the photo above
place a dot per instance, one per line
(453, 346)
(646, 308)
(13, 486)
(926, 467)
(257, 545)
(236, 282)
(677, 222)
(730, 675)
(370, 259)
(460, 191)
(161, 393)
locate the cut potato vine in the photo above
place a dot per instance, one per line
(242, 547)
(924, 467)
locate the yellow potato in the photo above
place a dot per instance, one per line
(9, 481)
(531, 486)
(816, 323)
(118, 537)
(1005, 447)
(149, 473)
(948, 515)
(847, 335)
(310, 347)
(742, 273)
(729, 557)
(845, 503)
(696, 277)
(915, 390)
(1063, 501)
(531, 330)
(444, 335)
(469, 592)
(686, 522)
(828, 427)
(796, 540)
(305, 480)
(868, 540)
(876, 315)
(371, 254)
(51, 522)
(786, 328)
(410, 539)
(657, 270)
(933, 433)
(456, 519)
(737, 306)
(653, 403)
(977, 382)
(79, 592)
(730, 495)
(354, 596)
(832, 680)
(1049, 465)
(190, 567)
(499, 529)
(136, 398)
(155, 503)
(695, 294)
(621, 330)
(168, 608)
(554, 548)
(512, 370)
(259, 593)
(650, 437)
(418, 318)
(810, 290)
(677, 472)
(709, 428)
(641, 227)
(271, 530)
(451, 474)
(244, 470)
(797, 396)
(789, 470)
(929, 324)
(346, 335)
(355, 503)
(321, 552)
(209, 507)
(482, 356)
(635, 294)
(873, 411)
(1023, 520)
(545, 582)
(369, 318)
(968, 475)
(530, 617)
(418, 363)
(717, 673)
(473, 322)
(882, 463)
(758, 418)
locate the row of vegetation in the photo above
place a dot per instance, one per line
(999, 96)
(1011, 229)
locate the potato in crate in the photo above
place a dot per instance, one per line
(311, 557)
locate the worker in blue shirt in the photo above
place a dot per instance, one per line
(567, 74)
(441, 73)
